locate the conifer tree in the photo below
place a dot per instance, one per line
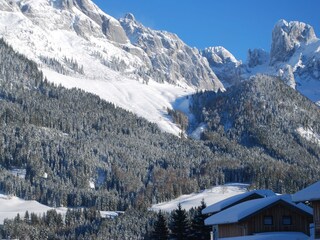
(198, 229)
(26, 216)
(161, 231)
(180, 225)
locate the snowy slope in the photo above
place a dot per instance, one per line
(210, 196)
(10, 206)
(149, 101)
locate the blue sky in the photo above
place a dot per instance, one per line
(235, 24)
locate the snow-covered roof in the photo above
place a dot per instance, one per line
(310, 193)
(219, 206)
(240, 211)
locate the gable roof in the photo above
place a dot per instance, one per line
(243, 210)
(219, 206)
(310, 193)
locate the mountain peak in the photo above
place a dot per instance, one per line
(220, 55)
(287, 36)
(281, 23)
(130, 16)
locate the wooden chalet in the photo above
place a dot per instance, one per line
(270, 214)
(312, 195)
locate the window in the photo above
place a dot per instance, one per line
(268, 220)
(286, 220)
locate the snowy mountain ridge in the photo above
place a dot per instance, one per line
(142, 70)
(294, 57)
(78, 45)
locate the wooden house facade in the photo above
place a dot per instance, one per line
(272, 214)
(312, 195)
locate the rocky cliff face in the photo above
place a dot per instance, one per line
(295, 56)
(172, 60)
(224, 64)
(75, 36)
(257, 57)
(82, 16)
(287, 37)
(125, 46)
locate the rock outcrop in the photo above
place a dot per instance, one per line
(172, 60)
(224, 64)
(287, 37)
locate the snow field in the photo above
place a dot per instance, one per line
(147, 101)
(10, 206)
(210, 196)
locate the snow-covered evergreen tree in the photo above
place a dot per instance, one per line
(161, 230)
(180, 225)
(198, 229)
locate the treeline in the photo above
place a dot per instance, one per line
(70, 65)
(88, 224)
(77, 224)
(181, 224)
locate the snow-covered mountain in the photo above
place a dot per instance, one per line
(143, 70)
(294, 57)
(78, 45)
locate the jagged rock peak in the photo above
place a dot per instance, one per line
(287, 36)
(219, 55)
(224, 64)
(172, 60)
(82, 16)
(130, 16)
(297, 29)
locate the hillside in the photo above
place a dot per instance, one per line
(92, 153)
(267, 117)
(75, 153)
